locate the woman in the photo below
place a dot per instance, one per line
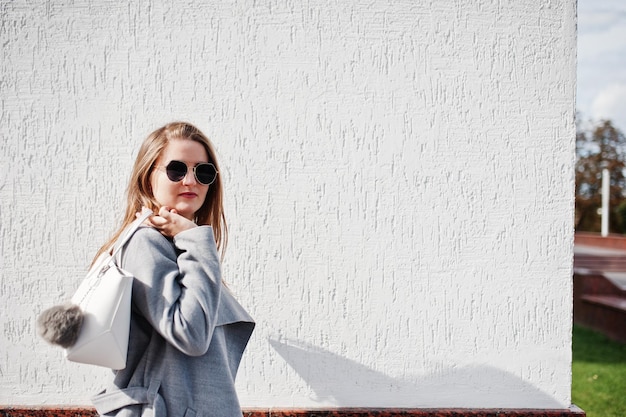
(187, 331)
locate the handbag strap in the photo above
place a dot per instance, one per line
(97, 271)
(128, 233)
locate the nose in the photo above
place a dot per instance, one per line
(189, 178)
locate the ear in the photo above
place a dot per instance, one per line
(60, 325)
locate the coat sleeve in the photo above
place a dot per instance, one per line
(178, 295)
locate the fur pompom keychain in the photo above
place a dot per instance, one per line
(60, 325)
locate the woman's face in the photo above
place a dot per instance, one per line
(185, 196)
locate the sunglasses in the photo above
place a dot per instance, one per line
(204, 172)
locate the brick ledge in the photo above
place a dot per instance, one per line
(21, 411)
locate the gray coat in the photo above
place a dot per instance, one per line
(187, 334)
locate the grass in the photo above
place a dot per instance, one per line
(598, 374)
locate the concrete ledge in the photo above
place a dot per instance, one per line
(600, 305)
(337, 412)
(609, 301)
(612, 241)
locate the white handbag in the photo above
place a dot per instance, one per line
(104, 298)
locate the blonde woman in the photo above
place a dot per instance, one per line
(188, 332)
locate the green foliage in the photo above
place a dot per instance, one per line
(600, 146)
(620, 211)
(598, 374)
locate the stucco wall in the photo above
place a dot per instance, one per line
(399, 180)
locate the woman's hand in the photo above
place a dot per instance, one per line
(169, 222)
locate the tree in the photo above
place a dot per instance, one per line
(601, 146)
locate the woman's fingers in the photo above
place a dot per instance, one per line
(169, 222)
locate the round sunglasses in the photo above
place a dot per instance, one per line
(204, 172)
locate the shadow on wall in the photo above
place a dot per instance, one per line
(345, 383)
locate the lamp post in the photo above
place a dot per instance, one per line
(606, 180)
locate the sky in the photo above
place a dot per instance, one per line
(601, 71)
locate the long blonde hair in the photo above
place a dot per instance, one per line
(139, 191)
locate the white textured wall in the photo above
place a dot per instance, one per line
(398, 174)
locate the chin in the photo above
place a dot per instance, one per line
(187, 215)
(186, 211)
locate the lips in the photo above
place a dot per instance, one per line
(188, 195)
